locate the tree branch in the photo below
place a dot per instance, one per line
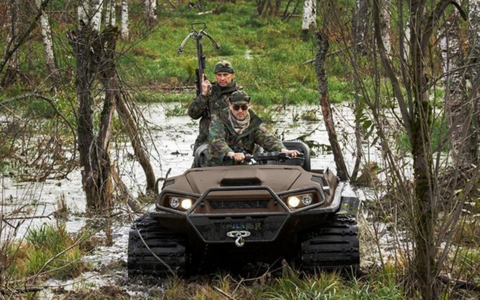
(22, 39)
(389, 70)
(436, 14)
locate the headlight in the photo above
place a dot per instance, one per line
(293, 201)
(304, 199)
(307, 199)
(178, 202)
(174, 202)
(186, 203)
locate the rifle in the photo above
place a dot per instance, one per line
(200, 72)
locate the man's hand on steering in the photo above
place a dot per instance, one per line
(291, 153)
(239, 157)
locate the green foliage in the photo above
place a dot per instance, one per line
(159, 97)
(48, 249)
(269, 55)
(177, 110)
(438, 136)
(266, 64)
(293, 285)
(310, 115)
(39, 109)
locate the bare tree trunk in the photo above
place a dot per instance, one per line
(136, 140)
(358, 109)
(309, 14)
(322, 49)
(11, 74)
(276, 11)
(406, 40)
(458, 110)
(425, 267)
(125, 30)
(261, 6)
(91, 54)
(474, 42)
(111, 83)
(97, 8)
(110, 12)
(360, 26)
(416, 111)
(48, 45)
(14, 44)
(82, 12)
(385, 24)
(150, 12)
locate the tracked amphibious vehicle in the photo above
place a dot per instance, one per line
(272, 209)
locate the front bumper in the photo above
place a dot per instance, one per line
(254, 227)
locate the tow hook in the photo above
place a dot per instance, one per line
(239, 235)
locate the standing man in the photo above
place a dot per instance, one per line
(212, 99)
(236, 127)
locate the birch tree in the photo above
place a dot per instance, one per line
(110, 12)
(411, 91)
(474, 43)
(360, 25)
(13, 35)
(82, 12)
(150, 12)
(385, 24)
(48, 44)
(14, 42)
(309, 14)
(90, 12)
(97, 8)
(458, 110)
(124, 26)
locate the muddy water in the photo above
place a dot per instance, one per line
(169, 141)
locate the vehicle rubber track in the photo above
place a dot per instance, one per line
(154, 250)
(333, 245)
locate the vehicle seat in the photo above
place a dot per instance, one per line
(200, 156)
(302, 148)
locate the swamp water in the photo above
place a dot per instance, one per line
(169, 140)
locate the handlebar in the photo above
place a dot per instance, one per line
(264, 157)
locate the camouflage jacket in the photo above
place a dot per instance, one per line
(222, 138)
(217, 102)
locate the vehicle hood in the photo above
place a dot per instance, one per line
(198, 180)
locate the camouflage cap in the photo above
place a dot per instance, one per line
(239, 98)
(224, 66)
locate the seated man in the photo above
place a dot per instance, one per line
(239, 127)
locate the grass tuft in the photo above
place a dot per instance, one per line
(48, 251)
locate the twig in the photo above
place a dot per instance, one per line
(159, 259)
(52, 104)
(27, 289)
(460, 284)
(26, 218)
(310, 61)
(170, 2)
(77, 242)
(162, 179)
(223, 293)
(308, 134)
(23, 37)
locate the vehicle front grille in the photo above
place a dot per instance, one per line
(239, 204)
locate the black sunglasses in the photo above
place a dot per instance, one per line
(237, 107)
